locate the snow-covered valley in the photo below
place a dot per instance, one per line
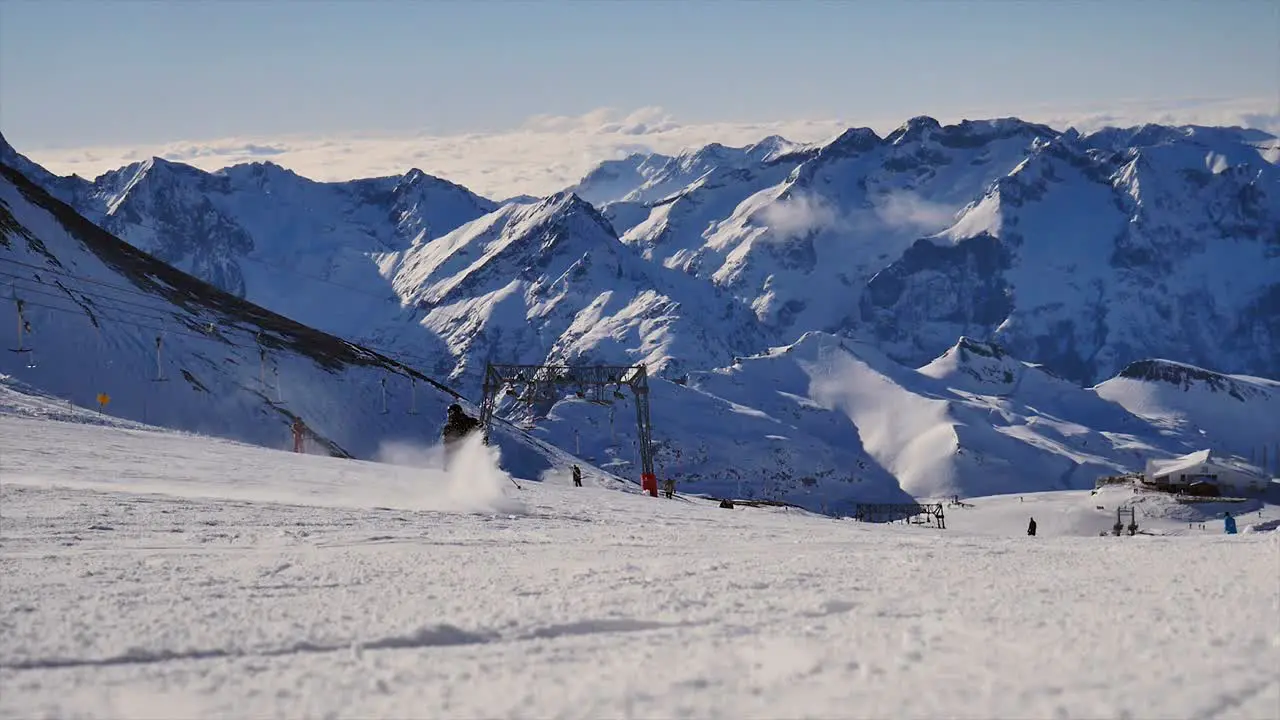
(149, 573)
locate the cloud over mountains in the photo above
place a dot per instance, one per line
(549, 152)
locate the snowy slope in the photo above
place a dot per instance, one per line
(174, 352)
(797, 231)
(266, 234)
(65, 270)
(649, 178)
(827, 422)
(1079, 254)
(813, 424)
(939, 430)
(1230, 413)
(422, 270)
(550, 282)
(1082, 513)
(230, 581)
(1153, 241)
(18, 399)
(1086, 260)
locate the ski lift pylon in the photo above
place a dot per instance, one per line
(159, 364)
(24, 329)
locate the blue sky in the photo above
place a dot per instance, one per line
(76, 73)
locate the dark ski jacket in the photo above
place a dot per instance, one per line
(458, 425)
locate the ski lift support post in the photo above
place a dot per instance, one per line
(600, 384)
(23, 327)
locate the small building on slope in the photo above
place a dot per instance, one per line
(1204, 473)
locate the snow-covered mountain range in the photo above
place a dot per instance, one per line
(825, 322)
(1083, 253)
(96, 317)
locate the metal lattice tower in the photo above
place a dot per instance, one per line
(600, 384)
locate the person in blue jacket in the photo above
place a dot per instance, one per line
(1229, 524)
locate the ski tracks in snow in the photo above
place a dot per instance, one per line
(600, 603)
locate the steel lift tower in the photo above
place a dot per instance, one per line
(600, 384)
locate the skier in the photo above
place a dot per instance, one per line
(457, 426)
(669, 488)
(299, 435)
(1229, 524)
(577, 476)
(1031, 527)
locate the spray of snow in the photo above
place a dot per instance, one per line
(556, 476)
(213, 468)
(473, 481)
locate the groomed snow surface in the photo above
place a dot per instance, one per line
(146, 573)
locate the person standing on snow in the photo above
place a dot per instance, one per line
(1229, 524)
(1031, 527)
(577, 476)
(299, 434)
(669, 487)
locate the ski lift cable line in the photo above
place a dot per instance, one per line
(115, 303)
(183, 320)
(99, 296)
(43, 290)
(62, 273)
(135, 291)
(102, 303)
(140, 293)
(102, 316)
(107, 302)
(259, 261)
(97, 310)
(78, 311)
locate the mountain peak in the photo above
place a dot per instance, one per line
(973, 133)
(1186, 378)
(970, 359)
(16, 160)
(156, 166)
(566, 205)
(712, 151)
(563, 200)
(853, 140)
(978, 347)
(1172, 372)
(914, 129)
(416, 177)
(769, 147)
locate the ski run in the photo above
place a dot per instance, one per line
(150, 573)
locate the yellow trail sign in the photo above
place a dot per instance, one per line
(103, 398)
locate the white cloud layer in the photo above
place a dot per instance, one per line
(908, 211)
(548, 153)
(798, 215)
